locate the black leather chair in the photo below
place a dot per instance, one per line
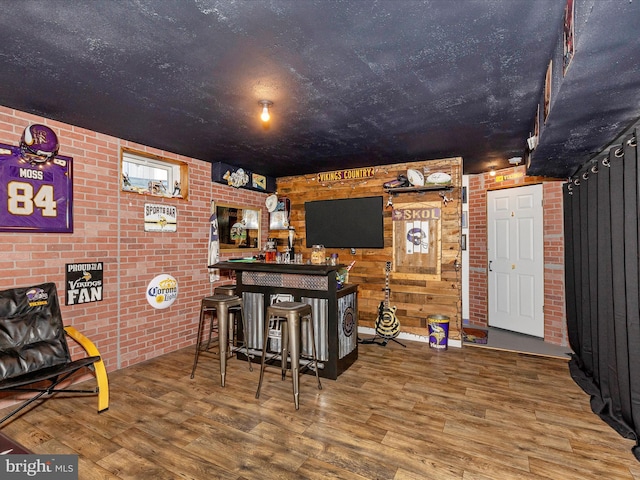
(34, 354)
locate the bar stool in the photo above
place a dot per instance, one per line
(233, 310)
(222, 305)
(225, 290)
(291, 313)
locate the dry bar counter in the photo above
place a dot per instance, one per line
(335, 311)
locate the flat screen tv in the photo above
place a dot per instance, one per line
(345, 223)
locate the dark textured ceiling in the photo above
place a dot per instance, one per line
(354, 82)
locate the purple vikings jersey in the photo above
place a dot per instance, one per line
(35, 197)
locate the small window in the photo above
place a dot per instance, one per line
(152, 175)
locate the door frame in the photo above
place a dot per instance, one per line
(538, 330)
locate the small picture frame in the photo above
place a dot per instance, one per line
(547, 90)
(463, 241)
(568, 36)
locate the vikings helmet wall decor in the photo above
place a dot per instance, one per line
(418, 237)
(39, 143)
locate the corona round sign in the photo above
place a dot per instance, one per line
(162, 291)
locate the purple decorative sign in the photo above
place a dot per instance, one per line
(35, 197)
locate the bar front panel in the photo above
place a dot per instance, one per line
(254, 312)
(347, 324)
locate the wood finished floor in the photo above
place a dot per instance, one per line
(403, 414)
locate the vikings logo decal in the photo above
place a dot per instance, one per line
(437, 333)
(37, 297)
(348, 322)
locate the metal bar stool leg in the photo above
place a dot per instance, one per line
(223, 338)
(285, 342)
(211, 326)
(245, 333)
(199, 339)
(293, 326)
(313, 350)
(265, 339)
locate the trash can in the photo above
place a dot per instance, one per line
(438, 331)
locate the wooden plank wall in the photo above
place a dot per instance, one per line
(415, 298)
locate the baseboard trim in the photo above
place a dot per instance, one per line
(410, 336)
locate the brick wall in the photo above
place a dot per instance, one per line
(109, 228)
(554, 294)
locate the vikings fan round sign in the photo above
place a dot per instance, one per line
(162, 291)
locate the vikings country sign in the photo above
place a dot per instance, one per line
(36, 185)
(351, 174)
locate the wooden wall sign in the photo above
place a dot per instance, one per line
(351, 174)
(417, 239)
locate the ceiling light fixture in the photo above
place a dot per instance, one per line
(265, 116)
(492, 172)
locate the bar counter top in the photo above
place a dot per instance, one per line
(258, 266)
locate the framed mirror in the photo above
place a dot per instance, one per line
(238, 227)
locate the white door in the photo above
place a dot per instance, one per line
(515, 252)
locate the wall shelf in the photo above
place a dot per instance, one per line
(414, 189)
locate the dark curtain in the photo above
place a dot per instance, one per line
(602, 277)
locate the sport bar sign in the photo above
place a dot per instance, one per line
(35, 198)
(160, 218)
